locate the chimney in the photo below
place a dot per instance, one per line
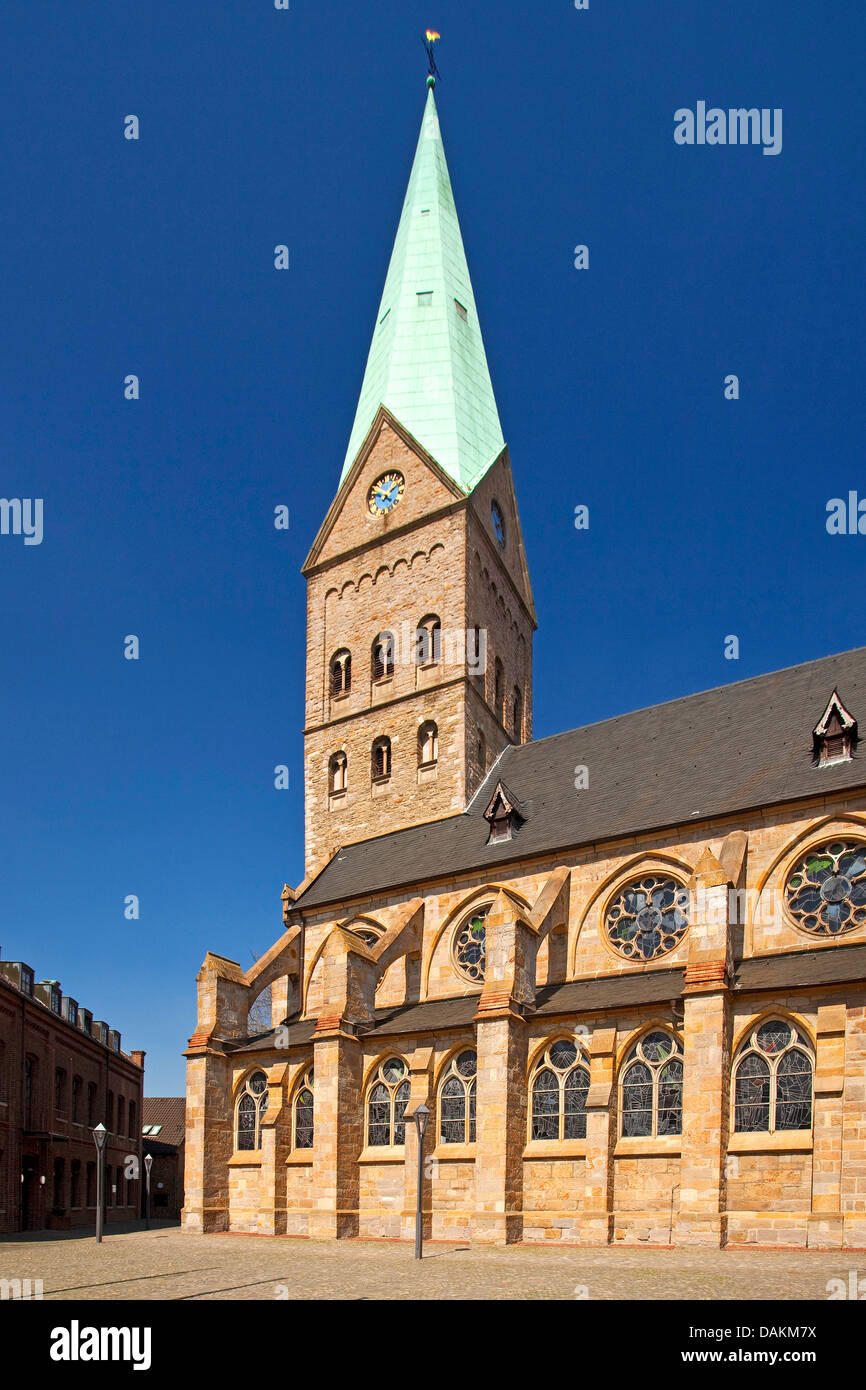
(138, 1058)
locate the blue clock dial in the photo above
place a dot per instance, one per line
(385, 493)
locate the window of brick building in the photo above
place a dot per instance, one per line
(60, 1091)
(90, 1186)
(91, 1105)
(121, 1115)
(76, 1100)
(428, 641)
(75, 1183)
(382, 656)
(59, 1194)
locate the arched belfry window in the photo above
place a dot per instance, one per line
(250, 1111)
(499, 691)
(773, 1074)
(651, 1092)
(341, 672)
(387, 1099)
(518, 713)
(428, 744)
(381, 759)
(457, 1100)
(338, 773)
(428, 641)
(303, 1113)
(382, 656)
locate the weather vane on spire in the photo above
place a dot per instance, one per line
(428, 42)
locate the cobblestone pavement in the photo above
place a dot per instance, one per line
(165, 1263)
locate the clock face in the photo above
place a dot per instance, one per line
(498, 522)
(385, 493)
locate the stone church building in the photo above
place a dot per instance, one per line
(624, 966)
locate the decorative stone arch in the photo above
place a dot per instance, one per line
(655, 1025)
(783, 861)
(416, 555)
(474, 898)
(366, 578)
(468, 1044)
(632, 868)
(348, 584)
(370, 1069)
(334, 592)
(765, 1015)
(383, 569)
(563, 1033)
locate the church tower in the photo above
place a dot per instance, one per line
(419, 606)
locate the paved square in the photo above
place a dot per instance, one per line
(165, 1263)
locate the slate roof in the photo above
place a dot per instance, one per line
(722, 751)
(427, 362)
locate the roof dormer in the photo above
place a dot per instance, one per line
(503, 814)
(834, 737)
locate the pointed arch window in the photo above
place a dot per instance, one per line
(773, 1077)
(499, 691)
(387, 1099)
(381, 759)
(341, 672)
(428, 744)
(559, 1086)
(303, 1113)
(382, 656)
(482, 754)
(651, 1093)
(338, 774)
(517, 707)
(457, 1100)
(428, 641)
(250, 1110)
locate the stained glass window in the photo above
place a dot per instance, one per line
(651, 1099)
(470, 945)
(773, 1080)
(386, 1104)
(826, 893)
(457, 1100)
(648, 917)
(558, 1092)
(304, 1113)
(250, 1110)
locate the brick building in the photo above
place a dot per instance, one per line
(624, 967)
(163, 1136)
(62, 1072)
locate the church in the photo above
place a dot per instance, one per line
(623, 967)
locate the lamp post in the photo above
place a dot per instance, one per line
(100, 1137)
(148, 1164)
(421, 1116)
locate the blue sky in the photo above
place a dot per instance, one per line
(258, 127)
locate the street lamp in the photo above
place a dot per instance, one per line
(421, 1116)
(148, 1164)
(100, 1137)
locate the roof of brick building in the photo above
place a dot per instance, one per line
(169, 1112)
(739, 746)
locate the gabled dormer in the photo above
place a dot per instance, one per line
(834, 737)
(504, 814)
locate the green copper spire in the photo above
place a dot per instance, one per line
(427, 362)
